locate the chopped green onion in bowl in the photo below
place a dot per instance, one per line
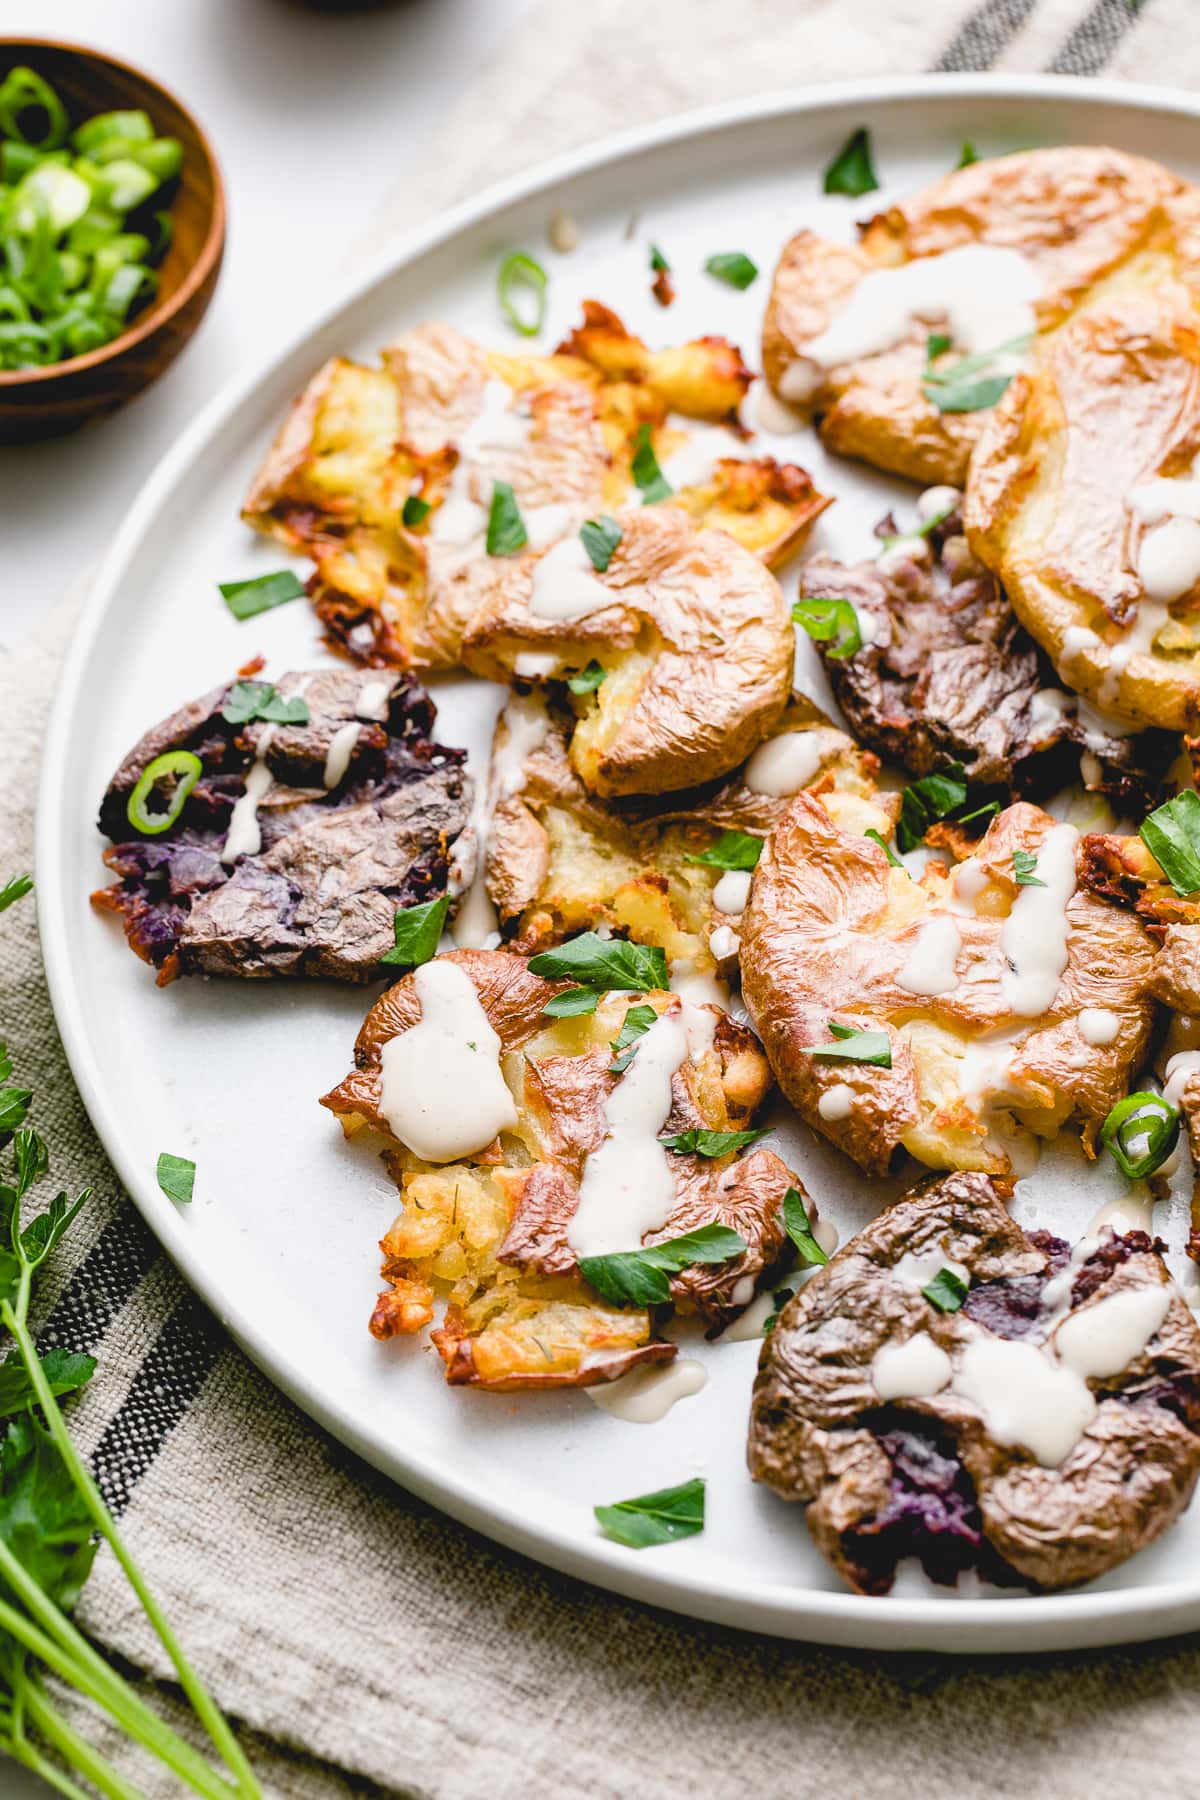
(82, 225)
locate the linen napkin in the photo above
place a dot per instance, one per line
(365, 1644)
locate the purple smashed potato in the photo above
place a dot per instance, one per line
(326, 868)
(927, 1476)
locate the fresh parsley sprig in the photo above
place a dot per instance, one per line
(660, 1518)
(639, 1277)
(852, 171)
(1172, 836)
(852, 1046)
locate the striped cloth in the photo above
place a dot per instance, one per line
(365, 1644)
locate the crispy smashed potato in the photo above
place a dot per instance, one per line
(559, 860)
(444, 420)
(1112, 403)
(491, 1231)
(691, 631)
(1089, 222)
(834, 933)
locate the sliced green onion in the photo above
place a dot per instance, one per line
(124, 184)
(91, 137)
(733, 268)
(246, 599)
(589, 679)
(829, 619)
(1140, 1132)
(852, 171)
(131, 283)
(16, 160)
(414, 510)
(163, 158)
(518, 272)
(23, 92)
(174, 773)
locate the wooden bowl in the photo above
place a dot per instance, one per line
(37, 403)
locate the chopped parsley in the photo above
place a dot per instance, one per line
(589, 679)
(246, 599)
(853, 1046)
(925, 801)
(176, 1177)
(259, 700)
(710, 1143)
(658, 261)
(661, 1518)
(639, 1277)
(1172, 836)
(418, 932)
(878, 838)
(966, 386)
(415, 510)
(638, 1021)
(600, 538)
(733, 267)
(946, 1291)
(572, 1004)
(506, 533)
(732, 850)
(852, 171)
(645, 470)
(795, 1223)
(1025, 869)
(603, 963)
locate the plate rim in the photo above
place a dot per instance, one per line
(1044, 1622)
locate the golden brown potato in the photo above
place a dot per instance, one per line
(1087, 221)
(444, 420)
(692, 632)
(1057, 485)
(1008, 1008)
(560, 860)
(490, 1230)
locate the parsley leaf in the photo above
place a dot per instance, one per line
(639, 1277)
(658, 261)
(830, 620)
(936, 344)
(661, 1518)
(44, 1518)
(571, 1004)
(851, 171)
(1024, 867)
(733, 267)
(710, 1143)
(418, 932)
(946, 1291)
(966, 386)
(259, 700)
(600, 538)
(65, 1372)
(853, 1046)
(15, 890)
(176, 1177)
(923, 802)
(415, 510)
(43, 1233)
(506, 533)
(246, 599)
(604, 963)
(732, 850)
(967, 155)
(638, 1020)
(589, 679)
(645, 470)
(795, 1223)
(877, 838)
(1172, 836)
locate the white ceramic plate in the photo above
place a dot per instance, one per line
(281, 1238)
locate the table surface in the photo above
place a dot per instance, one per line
(329, 105)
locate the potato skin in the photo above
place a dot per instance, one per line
(1079, 214)
(1112, 401)
(827, 931)
(698, 635)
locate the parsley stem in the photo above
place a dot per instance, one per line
(22, 1751)
(108, 1688)
(80, 1754)
(204, 1706)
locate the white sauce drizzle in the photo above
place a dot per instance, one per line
(837, 1102)
(536, 665)
(1047, 710)
(647, 1392)
(441, 1090)
(341, 749)
(913, 1370)
(628, 1185)
(1168, 556)
(1024, 1398)
(244, 837)
(732, 891)
(785, 764)
(565, 584)
(373, 699)
(984, 292)
(1034, 935)
(724, 942)
(931, 964)
(524, 718)
(1078, 638)
(460, 518)
(1098, 1025)
(1133, 1211)
(1104, 1338)
(917, 1269)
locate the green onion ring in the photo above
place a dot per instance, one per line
(23, 89)
(520, 271)
(185, 769)
(1140, 1132)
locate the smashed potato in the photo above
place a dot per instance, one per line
(386, 476)
(1011, 999)
(1067, 506)
(1064, 227)
(560, 860)
(691, 632)
(492, 1230)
